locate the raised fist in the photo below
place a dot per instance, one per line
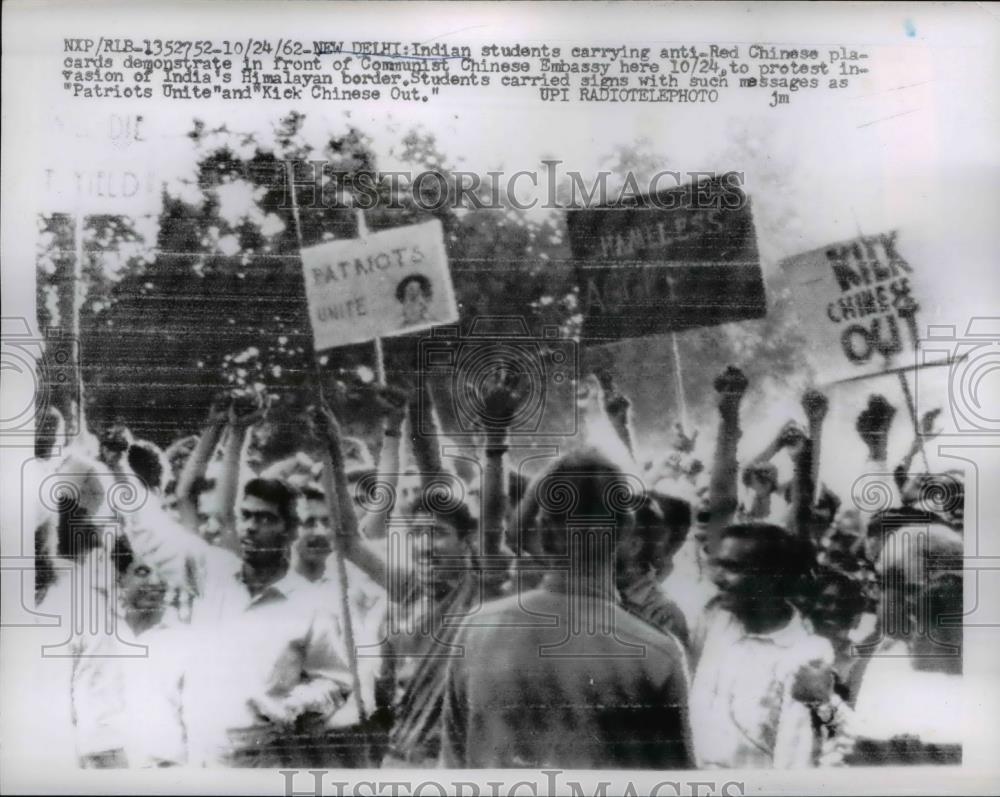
(248, 407)
(501, 395)
(218, 411)
(815, 404)
(731, 384)
(873, 425)
(324, 421)
(731, 381)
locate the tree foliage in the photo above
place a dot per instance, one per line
(219, 300)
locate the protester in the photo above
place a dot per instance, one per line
(747, 651)
(541, 695)
(314, 559)
(779, 624)
(265, 709)
(152, 647)
(442, 576)
(907, 691)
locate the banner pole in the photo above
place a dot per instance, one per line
(330, 489)
(379, 362)
(679, 380)
(74, 324)
(359, 216)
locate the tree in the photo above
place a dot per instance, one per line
(220, 300)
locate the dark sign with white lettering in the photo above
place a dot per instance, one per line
(663, 262)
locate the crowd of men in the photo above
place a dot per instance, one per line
(619, 609)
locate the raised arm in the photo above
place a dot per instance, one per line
(800, 511)
(370, 557)
(425, 435)
(771, 450)
(392, 402)
(501, 398)
(873, 426)
(246, 410)
(197, 462)
(816, 405)
(730, 385)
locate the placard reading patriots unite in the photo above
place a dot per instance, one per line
(386, 283)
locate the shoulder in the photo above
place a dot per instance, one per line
(665, 615)
(634, 628)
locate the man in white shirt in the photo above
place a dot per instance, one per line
(348, 743)
(748, 649)
(267, 668)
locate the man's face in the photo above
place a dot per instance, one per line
(701, 514)
(209, 512)
(264, 535)
(665, 550)
(832, 612)
(738, 574)
(415, 303)
(436, 545)
(314, 543)
(143, 588)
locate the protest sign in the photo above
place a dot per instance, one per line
(115, 187)
(387, 283)
(858, 304)
(119, 177)
(677, 259)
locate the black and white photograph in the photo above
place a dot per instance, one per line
(494, 398)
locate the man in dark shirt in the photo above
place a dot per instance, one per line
(562, 676)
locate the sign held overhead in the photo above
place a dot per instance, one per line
(387, 283)
(858, 301)
(677, 259)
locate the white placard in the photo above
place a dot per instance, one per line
(386, 283)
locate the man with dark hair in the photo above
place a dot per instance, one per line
(114, 442)
(544, 695)
(908, 690)
(834, 605)
(445, 571)
(265, 709)
(747, 650)
(351, 743)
